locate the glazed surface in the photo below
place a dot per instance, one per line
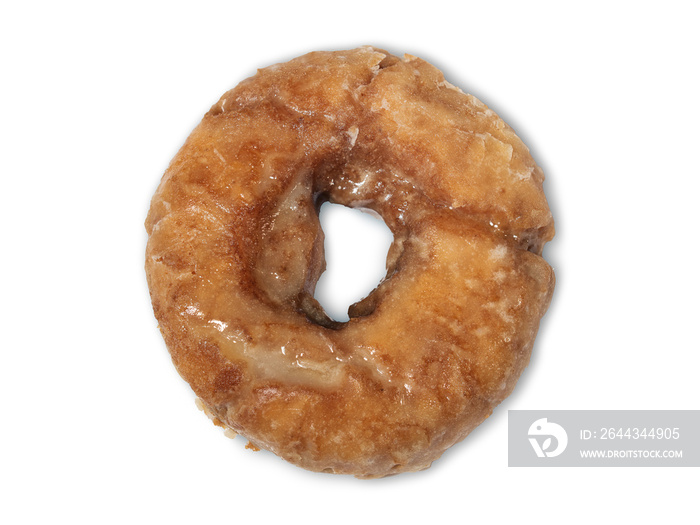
(235, 250)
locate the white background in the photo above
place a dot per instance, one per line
(96, 98)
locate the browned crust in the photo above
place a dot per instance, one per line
(235, 250)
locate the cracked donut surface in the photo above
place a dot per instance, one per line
(235, 250)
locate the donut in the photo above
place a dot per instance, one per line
(235, 249)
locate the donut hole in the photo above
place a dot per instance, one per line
(356, 246)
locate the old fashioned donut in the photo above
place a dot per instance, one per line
(235, 250)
